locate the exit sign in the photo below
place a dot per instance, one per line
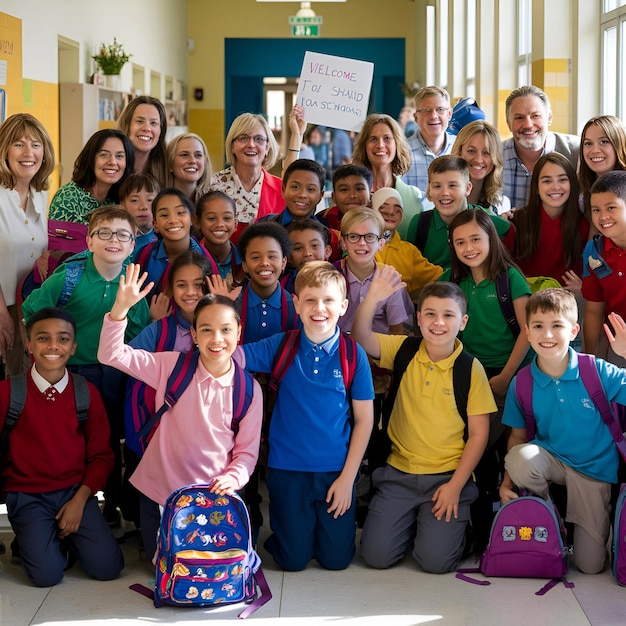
(305, 30)
(305, 26)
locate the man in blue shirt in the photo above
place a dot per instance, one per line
(528, 115)
(432, 114)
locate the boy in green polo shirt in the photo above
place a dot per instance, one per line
(448, 188)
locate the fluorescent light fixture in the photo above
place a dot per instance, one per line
(296, 1)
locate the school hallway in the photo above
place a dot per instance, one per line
(358, 596)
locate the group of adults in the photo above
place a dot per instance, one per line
(500, 171)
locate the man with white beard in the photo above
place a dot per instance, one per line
(528, 115)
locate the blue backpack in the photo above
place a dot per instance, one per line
(205, 555)
(464, 112)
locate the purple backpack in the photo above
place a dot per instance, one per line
(527, 540)
(619, 538)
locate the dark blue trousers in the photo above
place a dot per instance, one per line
(32, 517)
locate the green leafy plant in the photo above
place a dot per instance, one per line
(112, 58)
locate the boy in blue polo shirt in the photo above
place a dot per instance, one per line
(572, 445)
(315, 452)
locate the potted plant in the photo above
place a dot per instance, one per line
(112, 58)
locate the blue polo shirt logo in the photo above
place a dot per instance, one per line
(587, 403)
(337, 373)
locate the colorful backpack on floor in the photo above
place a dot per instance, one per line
(527, 540)
(205, 555)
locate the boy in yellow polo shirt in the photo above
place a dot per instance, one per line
(423, 494)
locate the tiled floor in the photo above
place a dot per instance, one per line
(359, 595)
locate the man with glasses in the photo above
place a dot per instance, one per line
(528, 115)
(432, 114)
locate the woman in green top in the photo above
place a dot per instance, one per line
(103, 164)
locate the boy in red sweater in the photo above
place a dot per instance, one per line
(53, 465)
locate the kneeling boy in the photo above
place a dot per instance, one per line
(572, 445)
(315, 451)
(54, 464)
(423, 494)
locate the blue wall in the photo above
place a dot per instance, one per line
(248, 61)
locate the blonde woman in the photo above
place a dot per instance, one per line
(479, 144)
(251, 150)
(188, 165)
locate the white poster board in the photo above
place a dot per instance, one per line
(335, 91)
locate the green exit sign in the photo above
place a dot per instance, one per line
(305, 26)
(305, 30)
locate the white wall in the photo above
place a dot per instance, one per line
(153, 31)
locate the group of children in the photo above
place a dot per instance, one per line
(322, 418)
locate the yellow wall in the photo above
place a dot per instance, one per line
(553, 76)
(28, 96)
(212, 22)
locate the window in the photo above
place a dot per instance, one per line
(613, 24)
(524, 42)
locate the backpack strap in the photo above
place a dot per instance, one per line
(144, 254)
(408, 349)
(285, 354)
(591, 379)
(595, 261)
(424, 221)
(18, 400)
(166, 333)
(81, 397)
(347, 358)
(177, 382)
(524, 396)
(73, 273)
(461, 379)
(503, 289)
(243, 390)
(461, 382)
(16, 406)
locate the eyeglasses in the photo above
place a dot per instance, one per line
(355, 237)
(438, 110)
(259, 140)
(123, 236)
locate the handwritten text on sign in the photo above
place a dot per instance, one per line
(335, 91)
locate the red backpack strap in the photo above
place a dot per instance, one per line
(284, 310)
(243, 391)
(348, 359)
(177, 382)
(591, 379)
(144, 254)
(285, 354)
(166, 337)
(524, 395)
(243, 312)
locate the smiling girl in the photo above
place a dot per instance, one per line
(551, 231)
(602, 149)
(195, 443)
